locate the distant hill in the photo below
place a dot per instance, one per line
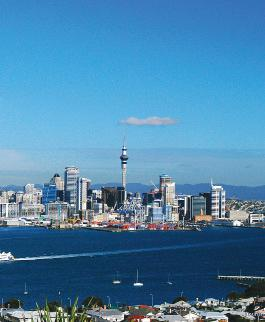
(238, 192)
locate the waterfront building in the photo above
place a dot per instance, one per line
(256, 218)
(31, 210)
(83, 187)
(155, 214)
(9, 210)
(217, 202)
(49, 193)
(207, 196)
(197, 206)
(71, 176)
(57, 211)
(183, 206)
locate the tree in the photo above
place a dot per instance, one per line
(256, 289)
(180, 298)
(13, 304)
(61, 315)
(53, 306)
(233, 296)
(93, 301)
(236, 318)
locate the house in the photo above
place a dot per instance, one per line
(192, 316)
(211, 302)
(112, 315)
(170, 318)
(26, 316)
(214, 316)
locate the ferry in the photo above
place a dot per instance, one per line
(6, 257)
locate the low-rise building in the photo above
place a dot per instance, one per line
(256, 218)
(112, 315)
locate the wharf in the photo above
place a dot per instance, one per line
(119, 230)
(240, 278)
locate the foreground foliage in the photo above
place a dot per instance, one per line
(59, 314)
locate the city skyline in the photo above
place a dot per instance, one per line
(182, 80)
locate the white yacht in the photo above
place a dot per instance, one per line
(116, 279)
(26, 292)
(6, 256)
(168, 280)
(137, 283)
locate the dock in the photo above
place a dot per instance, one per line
(240, 278)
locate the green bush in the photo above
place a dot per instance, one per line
(13, 304)
(93, 301)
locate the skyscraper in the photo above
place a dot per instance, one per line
(169, 193)
(197, 206)
(217, 202)
(83, 186)
(58, 181)
(164, 179)
(71, 175)
(49, 193)
(168, 189)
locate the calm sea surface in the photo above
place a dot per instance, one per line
(191, 258)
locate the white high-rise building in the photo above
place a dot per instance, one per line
(83, 186)
(217, 202)
(164, 179)
(169, 193)
(71, 176)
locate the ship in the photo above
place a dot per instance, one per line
(6, 257)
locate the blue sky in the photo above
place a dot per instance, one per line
(74, 73)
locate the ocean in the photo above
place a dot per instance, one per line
(65, 264)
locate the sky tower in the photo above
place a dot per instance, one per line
(124, 159)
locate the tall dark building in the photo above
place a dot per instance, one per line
(207, 196)
(197, 206)
(110, 196)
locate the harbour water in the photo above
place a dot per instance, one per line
(61, 265)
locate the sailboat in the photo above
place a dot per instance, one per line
(137, 283)
(26, 290)
(168, 280)
(116, 279)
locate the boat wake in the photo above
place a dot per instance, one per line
(126, 251)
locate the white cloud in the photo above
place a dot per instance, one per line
(150, 121)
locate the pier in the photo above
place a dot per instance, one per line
(240, 278)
